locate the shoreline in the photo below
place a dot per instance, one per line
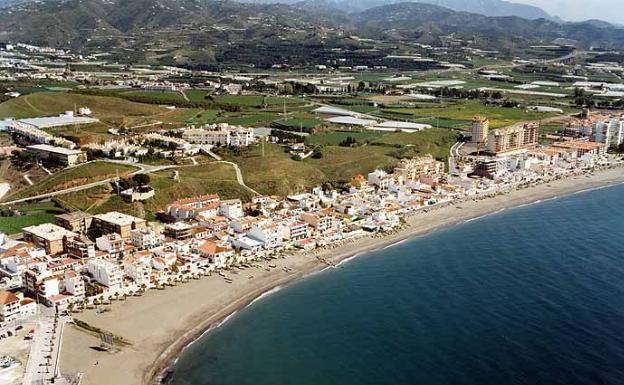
(149, 361)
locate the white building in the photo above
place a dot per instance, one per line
(74, 284)
(221, 134)
(610, 132)
(146, 238)
(231, 209)
(106, 273)
(269, 234)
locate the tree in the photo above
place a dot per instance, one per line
(23, 159)
(141, 179)
(317, 153)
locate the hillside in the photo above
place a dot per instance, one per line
(419, 19)
(482, 7)
(212, 34)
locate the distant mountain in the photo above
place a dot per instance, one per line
(415, 18)
(210, 31)
(483, 7)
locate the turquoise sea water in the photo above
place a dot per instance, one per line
(532, 295)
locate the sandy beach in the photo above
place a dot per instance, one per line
(161, 322)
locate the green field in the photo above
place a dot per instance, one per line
(277, 173)
(335, 137)
(256, 101)
(53, 103)
(209, 178)
(161, 97)
(464, 111)
(296, 123)
(34, 214)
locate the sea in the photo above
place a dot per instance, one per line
(531, 295)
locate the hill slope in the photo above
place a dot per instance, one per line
(483, 7)
(209, 31)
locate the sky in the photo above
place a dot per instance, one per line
(577, 10)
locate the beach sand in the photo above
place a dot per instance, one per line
(161, 322)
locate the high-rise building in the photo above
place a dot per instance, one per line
(610, 132)
(513, 138)
(480, 129)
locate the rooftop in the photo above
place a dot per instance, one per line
(49, 231)
(118, 218)
(54, 149)
(6, 297)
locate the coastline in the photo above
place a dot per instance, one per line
(163, 323)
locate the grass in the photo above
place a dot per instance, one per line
(276, 172)
(162, 97)
(341, 164)
(464, 111)
(210, 178)
(76, 176)
(335, 137)
(296, 123)
(197, 96)
(34, 214)
(249, 119)
(53, 103)
(434, 141)
(256, 101)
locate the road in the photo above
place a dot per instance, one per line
(43, 360)
(454, 153)
(239, 176)
(143, 169)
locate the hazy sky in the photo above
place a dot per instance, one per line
(574, 10)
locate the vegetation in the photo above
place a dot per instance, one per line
(13, 220)
(463, 112)
(76, 176)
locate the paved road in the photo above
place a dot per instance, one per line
(43, 360)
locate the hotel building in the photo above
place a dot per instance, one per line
(480, 129)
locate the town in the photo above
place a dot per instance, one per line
(121, 180)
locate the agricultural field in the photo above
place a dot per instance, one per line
(333, 138)
(33, 214)
(107, 109)
(256, 101)
(299, 121)
(463, 112)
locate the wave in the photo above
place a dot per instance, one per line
(262, 296)
(397, 243)
(346, 260)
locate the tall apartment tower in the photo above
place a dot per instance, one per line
(480, 129)
(610, 132)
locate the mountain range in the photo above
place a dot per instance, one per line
(210, 31)
(482, 7)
